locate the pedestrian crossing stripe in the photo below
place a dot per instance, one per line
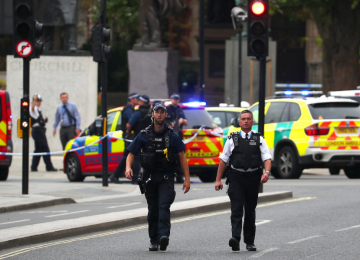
(29, 249)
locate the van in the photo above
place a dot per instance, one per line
(6, 144)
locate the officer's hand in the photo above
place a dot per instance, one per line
(128, 173)
(218, 185)
(264, 177)
(54, 132)
(77, 131)
(186, 186)
(181, 121)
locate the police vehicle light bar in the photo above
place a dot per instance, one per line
(195, 104)
(305, 93)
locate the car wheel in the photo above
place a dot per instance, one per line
(207, 176)
(73, 168)
(334, 171)
(287, 164)
(352, 172)
(4, 173)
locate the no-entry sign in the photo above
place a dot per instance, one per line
(24, 48)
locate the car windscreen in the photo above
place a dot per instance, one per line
(197, 117)
(335, 110)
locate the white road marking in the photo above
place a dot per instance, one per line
(303, 239)
(126, 205)
(262, 222)
(6, 223)
(347, 228)
(264, 252)
(69, 213)
(39, 212)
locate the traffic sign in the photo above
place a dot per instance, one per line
(24, 48)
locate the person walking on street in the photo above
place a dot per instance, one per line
(161, 150)
(246, 151)
(176, 119)
(126, 114)
(38, 121)
(69, 118)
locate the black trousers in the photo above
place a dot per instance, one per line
(160, 194)
(66, 134)
(41, 146)
(243, 192)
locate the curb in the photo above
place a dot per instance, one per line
(36, 205)
(135, 217)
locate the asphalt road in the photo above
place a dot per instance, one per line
(320, 222)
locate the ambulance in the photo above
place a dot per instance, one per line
(6, 145)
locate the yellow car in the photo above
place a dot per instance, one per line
(311, 133)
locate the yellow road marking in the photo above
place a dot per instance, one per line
(25, 250)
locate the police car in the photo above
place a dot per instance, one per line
(305, 132)
(224, 114)
(6, 145)
(202, 152)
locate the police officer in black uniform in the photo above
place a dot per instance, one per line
(176, 119)
(248, 152)
(38, 130)
(126, 114)
(161, 151)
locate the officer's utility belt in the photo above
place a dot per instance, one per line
(239, 173)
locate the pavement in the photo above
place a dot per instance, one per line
(53, 188)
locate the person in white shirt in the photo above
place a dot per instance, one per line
(38, 121)
(247, 154)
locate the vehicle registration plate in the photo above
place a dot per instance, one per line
(346, 130)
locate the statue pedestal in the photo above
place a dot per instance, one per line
(154, 73)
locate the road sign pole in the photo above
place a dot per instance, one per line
(103, 76)
(262, 86)
(25, 157)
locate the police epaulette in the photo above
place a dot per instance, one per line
(231, 134)
(257, 133)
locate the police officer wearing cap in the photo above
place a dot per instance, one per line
(176, 119)
(161, 150)
(247, 153)
(126, 114)
(38, 121)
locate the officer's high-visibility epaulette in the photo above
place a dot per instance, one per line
(232, 134)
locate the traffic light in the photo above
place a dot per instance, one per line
(101, 35)
(258, 28)
(24, 113)
(26, 30)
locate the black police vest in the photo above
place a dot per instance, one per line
(124, 120)
(145, 120)
(246, 153)
(40, 120)
(158, 157)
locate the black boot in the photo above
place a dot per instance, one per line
(154, 247)
(164, 242)
(234, 244)
(114, 179)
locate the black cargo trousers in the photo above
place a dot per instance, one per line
(160, 194)
(243, 192)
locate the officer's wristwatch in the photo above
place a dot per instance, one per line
(268, 172)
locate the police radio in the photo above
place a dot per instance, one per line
(99, 126)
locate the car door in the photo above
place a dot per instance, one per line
(116, 144)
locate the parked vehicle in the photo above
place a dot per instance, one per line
(6, 144)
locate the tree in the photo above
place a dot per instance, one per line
(338, 23)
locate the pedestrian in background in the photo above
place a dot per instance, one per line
(38, 121)
(247, 152)
(69, 118)
(126, 114)
(161, 150)
(176, 119)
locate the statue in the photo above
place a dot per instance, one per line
(150, 13)
(58, 13)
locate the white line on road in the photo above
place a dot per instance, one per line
(14, 222)
(303, 239)
(347, 228)
(126, 205)
(264, 252)
(262, 222)
(39, 212)
(69, 213)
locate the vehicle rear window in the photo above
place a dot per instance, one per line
(336, 110)
(198, 117)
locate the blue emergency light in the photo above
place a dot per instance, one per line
(195, 104)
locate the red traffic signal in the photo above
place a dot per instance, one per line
(25, 104)
(258, 8)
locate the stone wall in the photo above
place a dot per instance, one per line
(50, 76)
